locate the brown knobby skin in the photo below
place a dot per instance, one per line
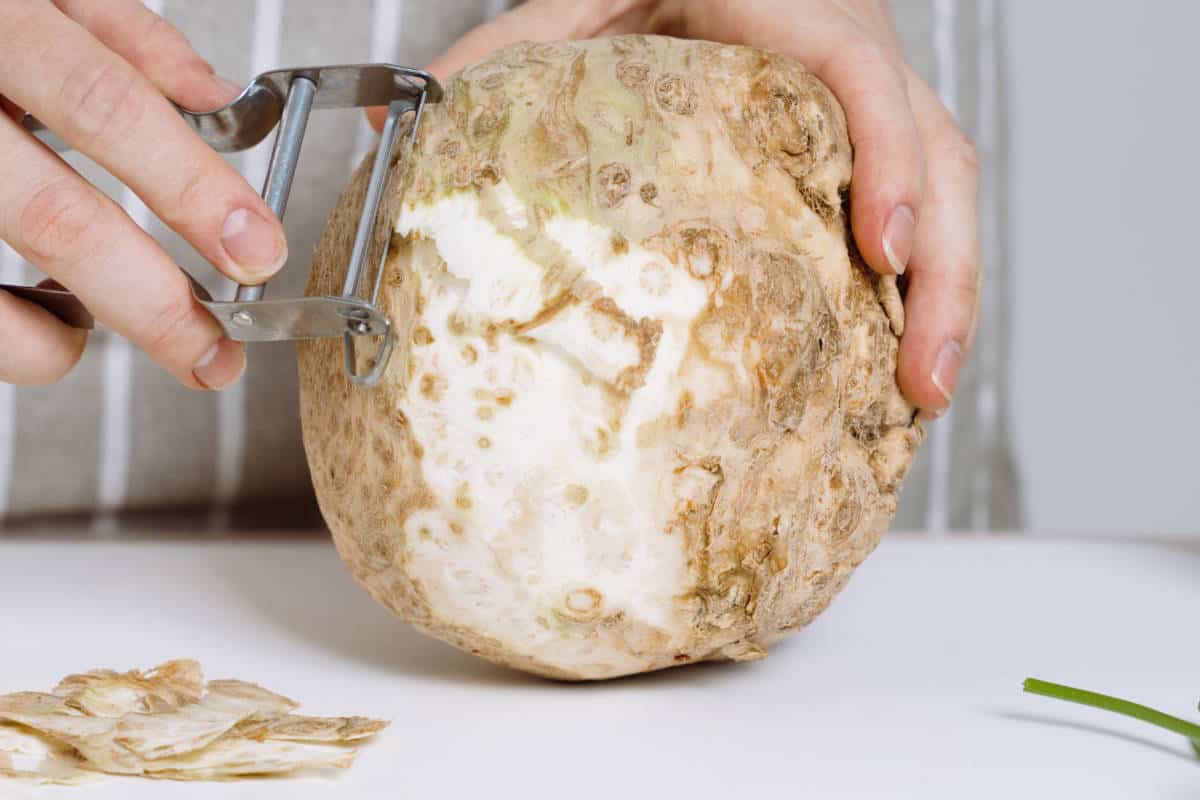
(752, 438)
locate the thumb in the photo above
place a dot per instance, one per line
(533, 21)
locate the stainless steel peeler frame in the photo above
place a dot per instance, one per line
(283, 99)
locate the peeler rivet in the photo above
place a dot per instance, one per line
(242, 319)
(359, 327)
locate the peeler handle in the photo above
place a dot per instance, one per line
(251, 116)
(284, 99)
(284, 156)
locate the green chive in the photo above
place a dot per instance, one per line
(1118, 706)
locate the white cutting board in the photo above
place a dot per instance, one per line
(909, 686)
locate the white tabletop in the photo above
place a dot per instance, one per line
(908, 686)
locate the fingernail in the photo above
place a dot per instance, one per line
(945, 368)
(253, 242)
(898, 236)
(221, 365)
(214, 92)
(229, 86)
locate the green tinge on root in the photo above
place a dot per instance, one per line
(1118, 706)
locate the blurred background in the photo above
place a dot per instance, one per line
(1086, 371)
(1104, 372)
(1076, 415)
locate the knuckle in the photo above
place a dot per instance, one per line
(57, 222)
(101, 98)
(170, 324)
(20, 20)
(867, 53)
(964, 286)
(159, 32)
(195, 191)
(164, 39)
(962, 153)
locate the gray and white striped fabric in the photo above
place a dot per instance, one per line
(119, 442)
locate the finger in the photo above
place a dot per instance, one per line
(886, 187)
(105, 108)
(942, 302)
(532, 21)
(39, 348)
(155, 48)
(880, 20)
(61, 223)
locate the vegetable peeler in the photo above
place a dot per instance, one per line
(283, 99)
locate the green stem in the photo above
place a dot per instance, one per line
(1117, 705)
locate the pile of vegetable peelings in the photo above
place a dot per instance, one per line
(167, 723)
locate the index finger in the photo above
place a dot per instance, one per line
(155, 48)
(106, 109)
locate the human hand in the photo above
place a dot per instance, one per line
(99, 73)
(914, 192)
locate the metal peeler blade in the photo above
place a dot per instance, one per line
(283, 99)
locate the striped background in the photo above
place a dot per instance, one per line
(118, 444)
